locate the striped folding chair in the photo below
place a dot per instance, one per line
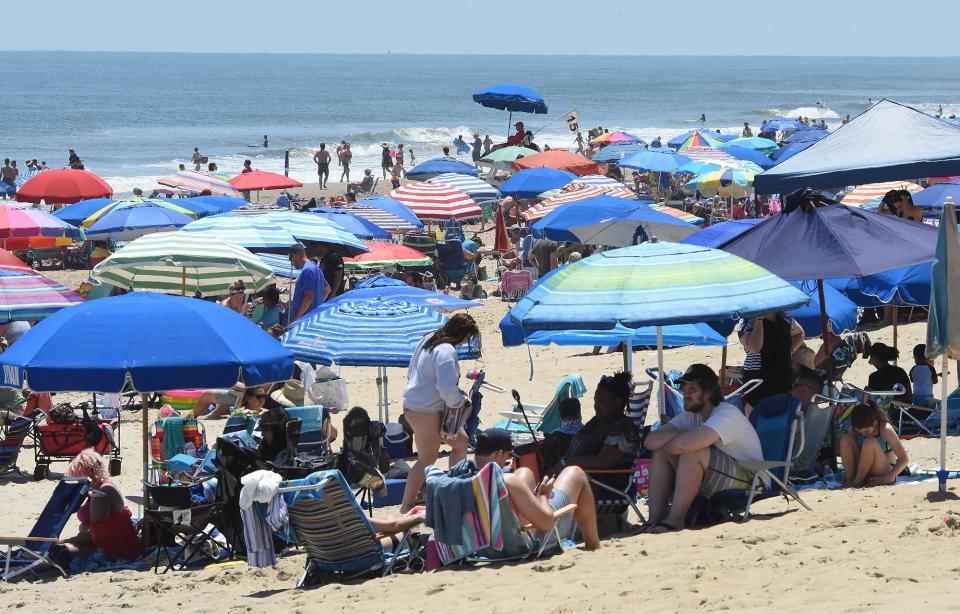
(13, 433)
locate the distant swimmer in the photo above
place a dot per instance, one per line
(939, 111)
(703, 118)
(870, 101)
(820, 105)
(747, 132)
(266, 143)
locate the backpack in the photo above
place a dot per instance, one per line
(359, 460)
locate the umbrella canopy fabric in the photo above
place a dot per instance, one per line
(726, 182)
(440, 166)
(943, 325)
(357, 225)
(504, 157)
(679, 335)
(561, 160)
(841, 311)
(75, 213)
(755, 143)
(28, 295)
(653, 284)
(790, 150)
(617, 137)
(63, 186)
(908, 285)
(200, 183)
(128, 223)
(573, 192)
(513, 98)
(699, 138)
(748, 155)
(806, 136)
(280, 265)
(710, 154)
(833, 241)
(782, 124)
(605, 220)
(263, 180)
(216, 204)
(887, 142)
(436, 202)
(254, 232)
(870, 192)
(480, 191)
(10, 262)
(654, 161)
(532, 182)
(312, 228)
(125, 203)
(384, 253)
(22, 222)
(601, 180)
(614, 153)
(717, 234)
(384, 219)
(380, 281)
(374, 332)
(182, 263)
(408, 294)
(680, 214)
(934, 196)
(156, 342)
(391, 206)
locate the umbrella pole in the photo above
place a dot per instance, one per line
(386, 398)
(723, 366)
(628, 356)
(145, 448)
(660, 379)
(944, 390)
(183, 281)
(823, 332)
(895, 316)
(509, 121)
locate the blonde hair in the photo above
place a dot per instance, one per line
(89, 464)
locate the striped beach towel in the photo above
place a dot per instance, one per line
(481, 528)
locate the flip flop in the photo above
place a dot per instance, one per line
(643, 527)
(661, 527)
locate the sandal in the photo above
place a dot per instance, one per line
(661, 527)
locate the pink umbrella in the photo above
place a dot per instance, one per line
(263, 180)
(436, 202)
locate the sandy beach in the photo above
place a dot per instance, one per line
(867, 550)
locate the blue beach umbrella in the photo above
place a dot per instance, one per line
(408, 294)
(679, 335)
(789, 151)
(280, 265)
(784, 124)
(512, 98)
(392, 206)
(479, 190)
(250, 231)
(934, 196)
(217, 204)
(716, 234)
(748, 155)
(654, 161)
(606, 220)
(532, 182)
(807, 136)
(755, 143)
(439, 166)
(354, 224)
(904, 286)
(128, 223)
(614, 153)
(841, 311)
(81, 210)
(680, 139)
(380, 281)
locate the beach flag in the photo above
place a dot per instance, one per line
(500, 241)
(573, 122)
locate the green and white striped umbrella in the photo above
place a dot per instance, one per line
(182, 263)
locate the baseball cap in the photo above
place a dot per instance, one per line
(701, 375)
(493, 440)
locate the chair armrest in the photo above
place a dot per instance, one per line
(560, 513)
(590, 472)
(762, 465)
(14, 541)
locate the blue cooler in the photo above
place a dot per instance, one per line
(394, 494)
(395, 440)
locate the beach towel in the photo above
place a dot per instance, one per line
(172, 437)
(262, 511)
(482, 528)
(449, 497)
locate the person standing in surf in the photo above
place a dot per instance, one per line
(322, 159)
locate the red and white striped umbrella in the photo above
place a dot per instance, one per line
(436, 202)
(573, 192)
(873, 191)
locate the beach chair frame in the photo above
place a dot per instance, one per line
(181, 529)
(12, 437)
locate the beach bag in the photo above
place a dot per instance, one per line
(359, 459)
(331, 393)
(62, 414)
(454, 419)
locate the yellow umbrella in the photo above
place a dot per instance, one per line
(133, 202)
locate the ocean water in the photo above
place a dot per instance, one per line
(134, 117)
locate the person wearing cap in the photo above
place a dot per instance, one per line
(518, 136)
(365, 184)
(274, 446)
(235, 296)
(311, 288)
(696, 453)
(536, 503)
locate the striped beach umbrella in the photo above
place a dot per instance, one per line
(311, 228)
(128, 223)
(699, 138)
(600, 180)
(110, 205)
(253, 232)
(614, 153)
(385, 253)
(27, 295)
(504, 157)
(436, 202)
(617, 137)
(679, 214)
(573, 192)
(710, 154)
(476, 189)
(864, 194)
(383, 219)
(367, 333)
(25, 222)
(199, 183)
(182, 263)
(726, 182)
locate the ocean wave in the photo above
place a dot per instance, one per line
(812, 113)
(773, 112)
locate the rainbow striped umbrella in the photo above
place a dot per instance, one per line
(870, 192)
(699, 139)
(476, 189)
(24, 222)
(570, 193)
(617, 137)
(133, 202)
(436, 202)
(727, 182)
(199, 183)
(30, 296)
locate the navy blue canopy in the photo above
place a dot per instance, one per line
(789, 150)
(782, 123)
(513, 98)
(888, 142)
(806, 136)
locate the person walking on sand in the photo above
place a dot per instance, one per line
(579, 142)
(398, 156)
(386, 160)
(413, 160)
(345, 156)
(322, 159)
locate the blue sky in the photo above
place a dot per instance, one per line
(835, 27)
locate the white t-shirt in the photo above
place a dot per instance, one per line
(922, 378)
(738, 438)
(433, 378)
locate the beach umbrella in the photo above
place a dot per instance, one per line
(782, 124)
(182, 263)
(280, 265)
(65, 185)
(678, 335)
(17, 222)
(755, 143)
(478, 190)
(504, 157)
(841, 311)
(726, 182)
(374, 332)
(146, 342)
(613, 153)
(312, 228)
(909, 285)
(254, 232)
(384, 219)
(680, 214)
(532, 182)
(654, 161)
(870, 192)
(28, 295)
(200, 183)
(398, 290)
(559, 159)
(75, 213)
(215, 204)
(790, 150)
(698, 168)
(126, 203)
(440, 166)
(935, 196)
(678, 140)
(10, 262)
(380, 281)
(710, 154)
(806, 136)
(717, 234)
(436, 202)
(391, 206)
(653, 284)
(943, 325)
(511, 98)
(700, 138)
(748, 155)
(128, 223)
(573, 192)
(606, 220)
(357, 225)
(263, 180)
(383, 253)
(617, 137)
(602, 181)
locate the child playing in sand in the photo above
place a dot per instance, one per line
(923, 376)
(872, 453)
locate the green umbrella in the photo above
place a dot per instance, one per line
(504, 158)
(182, 263)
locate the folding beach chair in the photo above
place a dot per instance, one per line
(491, 532)
(193, 435)
(817, 421)
(339, 540)
(28, 553)
(673, 396)
(543, 418)
(453, 266)
(514, 284)
(178, 528)
(453, 231)
(314, 436)
(13, 433)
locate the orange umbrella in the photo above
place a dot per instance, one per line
(500, 241)
(63, 186)
(561, 160)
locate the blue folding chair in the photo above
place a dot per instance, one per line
(452, 263)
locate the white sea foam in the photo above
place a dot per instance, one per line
(812, 113)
